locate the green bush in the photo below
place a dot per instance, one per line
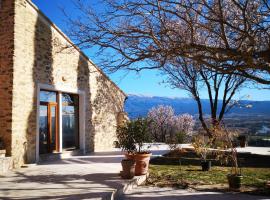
(180, 137)
(133, 135)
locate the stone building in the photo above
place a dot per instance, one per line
(53, 99)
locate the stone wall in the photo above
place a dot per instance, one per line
(107, 102)
(41, 57)
(6, 70)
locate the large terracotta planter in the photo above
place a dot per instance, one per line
(142, 163)
(128, 167)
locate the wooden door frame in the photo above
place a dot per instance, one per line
(49, 125)
(50, 105)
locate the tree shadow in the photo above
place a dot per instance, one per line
(173, 194)
(74, 186)
(42, 72)
(78, 196)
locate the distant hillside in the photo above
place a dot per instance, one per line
(137, 105)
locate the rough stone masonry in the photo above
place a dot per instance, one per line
(34, 51)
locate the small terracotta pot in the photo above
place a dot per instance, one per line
(234, 181)
(206, 165)
(130, 156)
(128, 167)
(142, 163)
(242, 141)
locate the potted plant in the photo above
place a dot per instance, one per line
(141, 136)
(131, 139)
(242, 140)
(125, 137)
(202, 144)
(228, 153)
(235, 177)
(126, 143)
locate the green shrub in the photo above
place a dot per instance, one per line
(133, 135)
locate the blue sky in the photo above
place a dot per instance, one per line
(147, 82)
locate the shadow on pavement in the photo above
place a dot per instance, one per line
(172, 194)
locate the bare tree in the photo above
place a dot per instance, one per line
(229, 36)
(197, 44)
(221, 88)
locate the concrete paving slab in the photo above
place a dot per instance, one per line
(94, 176)
(155, 193)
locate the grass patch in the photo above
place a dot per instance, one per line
(191, 176)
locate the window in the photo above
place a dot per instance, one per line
(48, 96)
(70, 127)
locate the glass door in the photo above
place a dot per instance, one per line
(48, 123)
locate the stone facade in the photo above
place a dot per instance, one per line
(33, 52)
(6, 70)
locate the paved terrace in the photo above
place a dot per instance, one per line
(93, 176)
(154, 193)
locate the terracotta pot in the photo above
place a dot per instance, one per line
(128, 167)
(142, 163)
(234, 181)
(206, 165)
(242, 141)
(130, 156)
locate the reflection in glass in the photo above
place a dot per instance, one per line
(53, 128)
(47, 96)
(70, 110)
(43, 130)
(69, 99)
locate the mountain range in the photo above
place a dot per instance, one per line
(139, 105)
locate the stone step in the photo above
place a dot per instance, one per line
(58, 156)
(5, 165)
(2, 153)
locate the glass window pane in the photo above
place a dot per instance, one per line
(70, 127)
(53, 128)
(43, 130)
(69, 99)
(47, 96)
